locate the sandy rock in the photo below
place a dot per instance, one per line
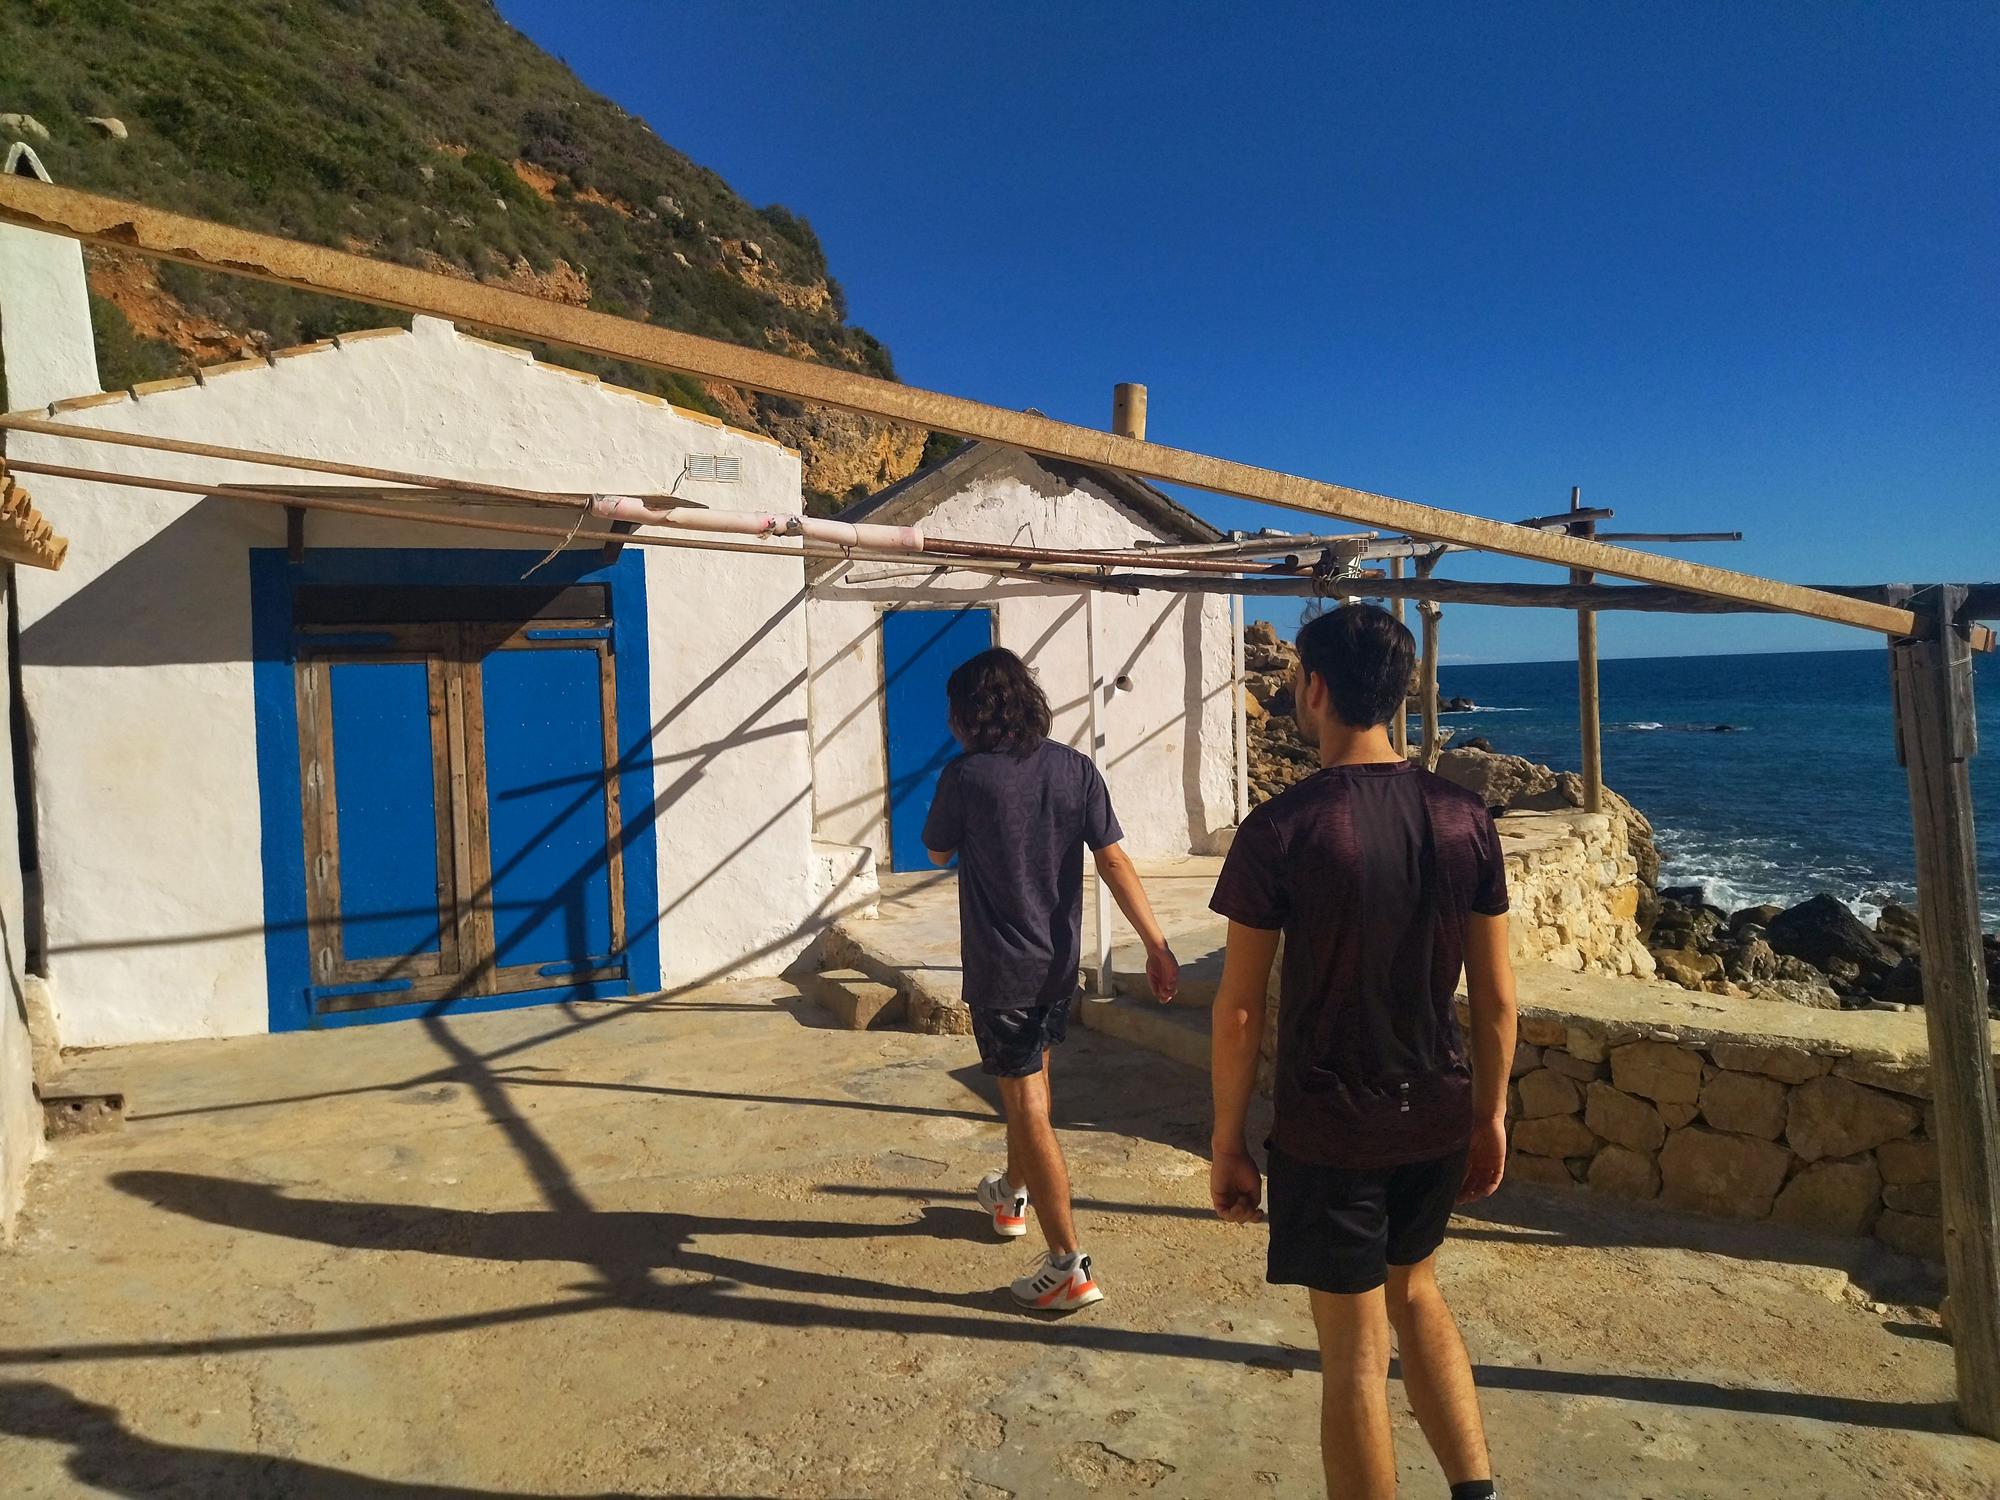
(1499, 780)
(1554, 1135)
(1685, 967)
(1897, 929)
(1907, 1161)
(1750, 960)
(1625, 1173)
(1814, 993)
(109, 124)
(1786, 1064)
(1623, 1120)
(1733, 1176)
(1545, 1092)
(1744, 1104)
(1545, 1171)
(1543, 1031)
(1913, 1234)
(1833, 1117)
(1836, 1197)
(1657, 1070)
(1909, 1078)
(1573, 1067)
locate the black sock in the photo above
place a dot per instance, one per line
(1474, 1489)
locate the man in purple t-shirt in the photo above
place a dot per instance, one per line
(1385, 882)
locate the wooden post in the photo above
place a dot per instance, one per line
(1428, 690)
(1936, 738)
(1104, 975)
(1588, 714)
(1128, 410)
(1399, 732)
(1239, 713)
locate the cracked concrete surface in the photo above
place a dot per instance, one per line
(705, 1246)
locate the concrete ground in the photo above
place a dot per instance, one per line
(702, 1246)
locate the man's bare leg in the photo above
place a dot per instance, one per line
(1035, 1159)
(1354, 1437)
(1437, 1374)
(1016, 1178)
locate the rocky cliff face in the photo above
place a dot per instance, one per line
(431, 133)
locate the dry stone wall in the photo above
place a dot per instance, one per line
(1808, 1132)
(1574, 886)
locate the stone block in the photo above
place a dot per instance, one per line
(1586, 1046)
(1912, 1079)
(1544, 1092)
(1554, 1135)
(1835, 1117)
(1745, 1104)
(1736, 1176)
(1786, 1064)
(1915, 1198)
(1623, 1120)
(857, 1002)
(1562, 1062)
(1657, 1070)
(1625, 1173)
(1838, 1197)
(1907, 1161)
(1527, 1058)
(1913, 1234)
(1543, 1031)
(1546, 1171)
(1677, 1115)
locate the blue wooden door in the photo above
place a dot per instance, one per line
(920, 647)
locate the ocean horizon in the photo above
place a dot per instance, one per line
(1769, 776)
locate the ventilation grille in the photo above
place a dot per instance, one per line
(725, 467)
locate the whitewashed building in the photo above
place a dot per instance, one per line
(886, 635)
(374, 769)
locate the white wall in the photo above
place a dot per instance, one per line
(1167, 749)
(137, 664)
(20, 1113)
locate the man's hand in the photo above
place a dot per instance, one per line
(1485, 1160)
(1235, 1187)
(1163, 973)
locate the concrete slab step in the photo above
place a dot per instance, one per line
(859, 1002)
(1178, 1032)
(1201, 974)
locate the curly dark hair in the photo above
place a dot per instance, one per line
(996, 704)
(1364, 655)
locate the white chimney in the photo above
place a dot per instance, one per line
(45, 334)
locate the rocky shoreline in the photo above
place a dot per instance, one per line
(1817, 953)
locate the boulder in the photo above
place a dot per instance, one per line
(24, 125)
(1625, 1173)
(1685, 895)
(1831, 1117)
(1677, 1115)
(1261, 633)
(1815, 994)
(1623, 1120)
(1545, 1092)
(1897, 930)
(1823, 929)
(109, 124)
(1902, 985)
(1907, 1161)
(1750, 960)
(1456, 705)
(1837, 1197)
(1553, 1135)
(1735, 1176)
(1498, 780)
(1744, 1104)
(1685, 967)
(1754, 916)
(1658, 1071)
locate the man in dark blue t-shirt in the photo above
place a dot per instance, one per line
(1385, 882)
(1018, 810)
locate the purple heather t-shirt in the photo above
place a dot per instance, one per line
(1019, 825)
(1373, 873)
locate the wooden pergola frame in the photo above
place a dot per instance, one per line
(1930, 632)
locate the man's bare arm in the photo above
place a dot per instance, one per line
(1489, 988)
(1121, 878)
(1235, 1044)
(942, 857)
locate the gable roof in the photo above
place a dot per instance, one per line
(908, 501)
(204, 374)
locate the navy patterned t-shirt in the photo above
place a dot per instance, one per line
(1019, 825)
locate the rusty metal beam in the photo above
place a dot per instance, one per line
(315, 268)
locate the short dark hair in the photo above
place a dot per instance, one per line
(1364, 655)
(996, 704)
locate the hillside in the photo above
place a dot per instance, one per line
(432, 133)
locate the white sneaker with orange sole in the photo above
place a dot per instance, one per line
(1006, 1206)
(1061, 1283)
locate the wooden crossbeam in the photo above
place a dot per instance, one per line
(315, 268)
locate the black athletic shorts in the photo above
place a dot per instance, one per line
(1011, 1042)
(1339, 1229)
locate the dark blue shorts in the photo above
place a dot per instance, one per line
(1011, 1042)
(1339, 1229)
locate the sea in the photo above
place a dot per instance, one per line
(1800, 793)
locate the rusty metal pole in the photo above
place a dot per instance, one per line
(1936, 738)
(1588, 714)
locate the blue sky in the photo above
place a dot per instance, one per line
(1723, 266)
